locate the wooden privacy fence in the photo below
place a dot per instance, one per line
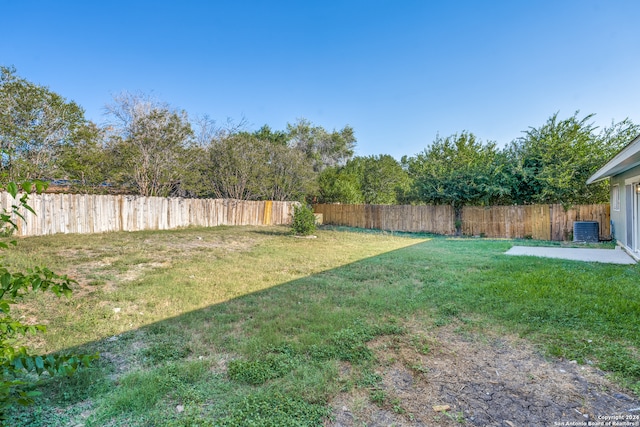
(85, 213)
(541, 222)
(422, 218)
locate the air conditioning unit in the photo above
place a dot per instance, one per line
(586, 231)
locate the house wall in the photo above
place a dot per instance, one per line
(618, 216)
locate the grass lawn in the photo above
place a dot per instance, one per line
(251, 326)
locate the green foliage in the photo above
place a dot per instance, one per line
(550, 164)
(458, 170)
(151, 144)
(272, 165)
(257, 372)
(163, 351)
(339, 186)
(378, 180)
(35, 124)
(289, 176)
(141, 390)
(369, 379)
(384, 181)
(274, 409)
(242, 166)
(347, 344)
(304, 221)
(553, 162)
(278, 137)
(378, 396)
(16, 362)
(324, 149)
(150, 148)
(86, 163)
(165, 345)
(350, 344)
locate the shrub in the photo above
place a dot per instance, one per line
(16, 363)
(304, 221)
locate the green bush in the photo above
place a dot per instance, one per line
(304, 221)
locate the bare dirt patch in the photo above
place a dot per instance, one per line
(184, 245)
(480, 381)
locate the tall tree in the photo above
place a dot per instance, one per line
(289, 176)
(458, 170)
(243, 166)
(35, 123)
(277, 137)
(323, 148)
(337, 185)
(237, 165)
(86, 163)
(553, 161)
(151, 141)
(371, 180)
(383, 180)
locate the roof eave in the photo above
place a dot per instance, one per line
(627, 158)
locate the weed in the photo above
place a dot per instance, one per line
(257, 372)
(349, 344)
(456, 416)
(396, 406)
(420, 368)
(164, 351)
(449, 310)
(421, 344)
(442, 321)
(378, 396)
(273, 409)
(368, 379)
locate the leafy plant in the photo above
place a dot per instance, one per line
(257, 372)
(378, 396)
(304, 221)
(274, 409)
(15, 361)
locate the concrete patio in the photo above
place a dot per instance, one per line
(609, 256)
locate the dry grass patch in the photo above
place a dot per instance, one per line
(483, 379)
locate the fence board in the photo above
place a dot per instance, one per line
(541, 222)
(430, 219)
(562, 219)
(83, 213)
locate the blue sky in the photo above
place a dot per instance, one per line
(398, 72)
